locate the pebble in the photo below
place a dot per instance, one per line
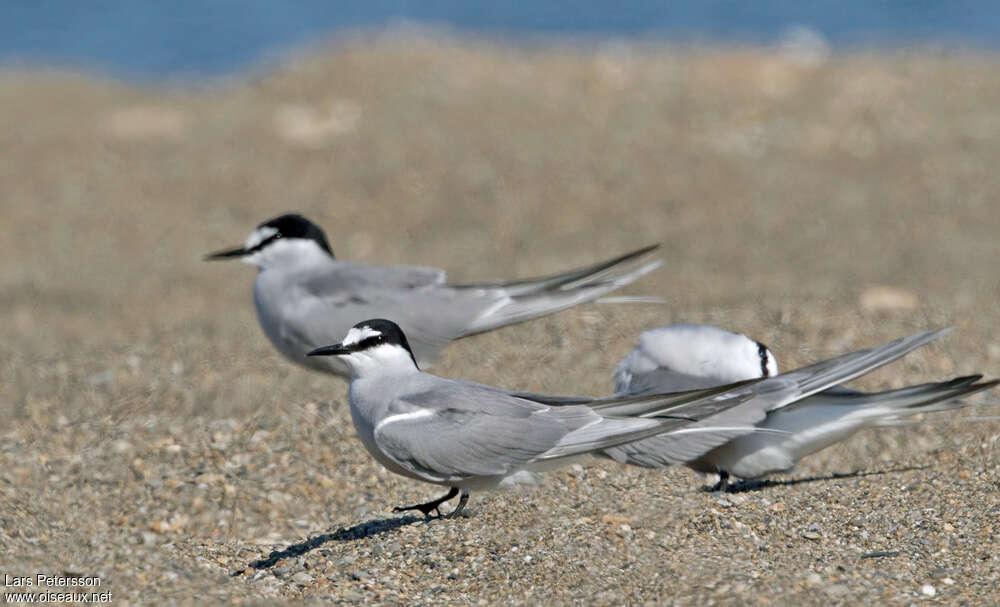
(360, 575)
(283, 570)
(837, 589)
(302, 578)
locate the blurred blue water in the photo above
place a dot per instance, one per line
(156, 38)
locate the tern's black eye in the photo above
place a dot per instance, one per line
(369, 342)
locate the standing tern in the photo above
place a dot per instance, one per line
(689, 357)
(306, 298)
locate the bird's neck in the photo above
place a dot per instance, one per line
(382, 362)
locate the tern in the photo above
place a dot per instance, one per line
(306, 298)
(691, 357)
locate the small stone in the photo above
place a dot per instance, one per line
(836, 589)
(282, 571)
(302, 578)
(360, 575)
(814, 579)
(812, 535)
(625, 531)
(353, 597)
(209, 478)
(928, 590)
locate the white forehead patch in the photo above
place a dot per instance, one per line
(357, 335)
(258, 236)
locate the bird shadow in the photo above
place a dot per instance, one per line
(344, 534)
(756, 485)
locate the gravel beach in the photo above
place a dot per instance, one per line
(152, 438)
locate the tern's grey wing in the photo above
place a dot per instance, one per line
(758, 398)
(454, 431)
(324, 306)
(350, 277)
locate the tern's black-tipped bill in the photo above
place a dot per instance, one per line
(334, 350)
(226, 254)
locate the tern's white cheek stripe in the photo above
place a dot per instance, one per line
(258, 236)
(357, 335)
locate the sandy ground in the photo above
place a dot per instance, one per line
(152, 437)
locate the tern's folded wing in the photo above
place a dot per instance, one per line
(454, 432)
(352, 277)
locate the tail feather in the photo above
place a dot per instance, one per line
(932, 399)
(526, 286)
(527, 299)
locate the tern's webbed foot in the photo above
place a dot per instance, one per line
(434, 505)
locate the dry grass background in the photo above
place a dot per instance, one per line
(151, 435)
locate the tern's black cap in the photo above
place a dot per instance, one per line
(294, 225)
